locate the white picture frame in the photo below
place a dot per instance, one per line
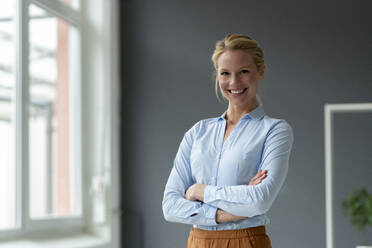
(329, 110)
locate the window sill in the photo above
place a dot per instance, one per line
(81, 240)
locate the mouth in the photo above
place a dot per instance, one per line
(237, 92)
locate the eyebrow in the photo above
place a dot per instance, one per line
(239, 68)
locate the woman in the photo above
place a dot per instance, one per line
(228, 170)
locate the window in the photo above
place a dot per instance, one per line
(58, 133)
(54, 186)
(7, 116)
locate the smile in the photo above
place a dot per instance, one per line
(237, 92)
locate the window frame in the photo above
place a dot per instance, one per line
(330, 109)
(27, 228)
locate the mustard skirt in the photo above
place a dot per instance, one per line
(253, 237)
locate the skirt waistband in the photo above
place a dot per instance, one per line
(228, 234)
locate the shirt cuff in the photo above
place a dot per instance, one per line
(210, 213)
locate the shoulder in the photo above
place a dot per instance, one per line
(278, 127)
(276, 123)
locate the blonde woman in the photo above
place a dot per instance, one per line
(228, 170)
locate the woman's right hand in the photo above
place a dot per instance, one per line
(223, 216)
(257, 179)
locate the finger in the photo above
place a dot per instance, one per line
(260, 179)
(260, 176)
(259, 173)
(256, 176)
(263, 176)
(253, 182)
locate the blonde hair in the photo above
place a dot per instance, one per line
(237, 42)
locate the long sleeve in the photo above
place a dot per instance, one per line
(175, 207)
(252, 200)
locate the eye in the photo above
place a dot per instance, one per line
(244, 71)
(224, 73)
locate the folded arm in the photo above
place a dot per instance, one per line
(175, 207)
(252, 200)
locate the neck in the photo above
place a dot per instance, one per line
(235, 113)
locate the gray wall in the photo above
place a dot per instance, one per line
(316, 52)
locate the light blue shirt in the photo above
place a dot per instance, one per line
(257, 142)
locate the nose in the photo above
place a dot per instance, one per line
(235, 79)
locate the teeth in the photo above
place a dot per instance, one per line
(237, 91)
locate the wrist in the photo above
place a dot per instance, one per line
(219, 216)
(200, 192)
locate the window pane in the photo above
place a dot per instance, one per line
(54, 167)
(7, 115)
(72, 3)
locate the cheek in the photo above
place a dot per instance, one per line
(223, 85)
(251, 80)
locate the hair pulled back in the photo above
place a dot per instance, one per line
(237, 42)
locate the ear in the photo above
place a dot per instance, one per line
(261, 72)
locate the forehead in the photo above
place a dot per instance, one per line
(235, 59)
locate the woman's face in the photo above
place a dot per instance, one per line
(238, 77)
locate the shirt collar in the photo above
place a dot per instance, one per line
(255, 114)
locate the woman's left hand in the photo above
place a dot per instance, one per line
(195, 192)
(258, 178)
